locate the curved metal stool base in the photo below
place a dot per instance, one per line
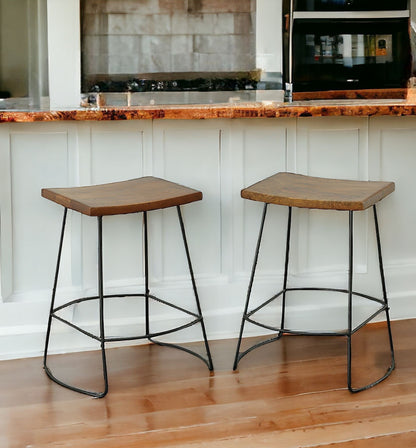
(197, 320)
(281, 330)
(101, 338)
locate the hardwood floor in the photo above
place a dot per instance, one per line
(291, 393)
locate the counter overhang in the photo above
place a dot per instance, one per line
(264, 109)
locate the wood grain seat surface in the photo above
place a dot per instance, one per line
(296, 190)
(131, 196)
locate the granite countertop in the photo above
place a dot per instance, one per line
(262, 109)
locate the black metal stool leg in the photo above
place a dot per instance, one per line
(383, 283)
(55, 283)
(191, 273)
(239, 355)
(350, 275)
(385, 299)
(52, 314)
(289, 226)
(101, 302)
(385, 308)
(146, 274)
(200, 319)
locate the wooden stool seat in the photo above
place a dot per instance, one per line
(131, 196)
(296, 190)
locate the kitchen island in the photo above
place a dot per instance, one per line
(218, 149)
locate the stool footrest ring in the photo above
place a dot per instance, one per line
(197, 317)
(150, 336)
(282, 331)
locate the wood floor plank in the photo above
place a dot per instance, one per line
(402, 440)
(287, 394)
(259, 419)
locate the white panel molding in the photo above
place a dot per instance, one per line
(190, 153)
(226, 180)
(259, 150)
(264, 151)
(111, 152)
(332, 147)
(201, 155)
(236, 182)
(32, 148)
(393, 158)
(6, 221)
(49, 145)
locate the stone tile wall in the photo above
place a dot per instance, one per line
(154, 36)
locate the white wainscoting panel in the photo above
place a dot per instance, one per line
(113, 152)
(190, 153)
(393, 157)
(334, 147)
(258, 151)
(218, 157)
(118, 152)
(39, 157)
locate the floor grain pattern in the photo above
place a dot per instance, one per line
(291, 393)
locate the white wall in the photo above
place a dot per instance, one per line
(14, 70)
(219, 157)
(64, 53)
(23, 49)
(152, 37)
(269, 35)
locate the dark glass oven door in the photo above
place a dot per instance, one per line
(350, 54)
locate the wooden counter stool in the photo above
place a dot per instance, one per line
(295, 190)
(132, 196)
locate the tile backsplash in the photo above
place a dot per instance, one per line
(133, 37)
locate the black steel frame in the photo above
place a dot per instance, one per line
(197, 317)
(348, 333)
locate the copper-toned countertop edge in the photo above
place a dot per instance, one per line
(265, 109)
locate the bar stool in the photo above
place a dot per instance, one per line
(295, 190)
(132, 196)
